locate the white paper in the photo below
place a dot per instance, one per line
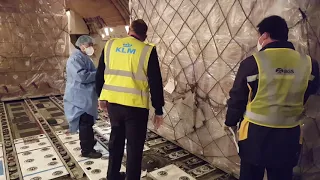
(234, 137)
(170, 86)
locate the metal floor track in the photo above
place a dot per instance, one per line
(34, 146)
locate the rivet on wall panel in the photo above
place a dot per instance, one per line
(6, 89)
(48, 85)
(22, 89)
(35, 85)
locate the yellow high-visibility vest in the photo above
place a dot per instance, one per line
(125, 76)
(283, 79)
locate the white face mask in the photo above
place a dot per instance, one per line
(89, 51)
(259, 46)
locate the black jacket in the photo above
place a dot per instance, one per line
(154, 80)
(265, 146)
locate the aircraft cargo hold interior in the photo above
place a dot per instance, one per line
(200, 45)
(35, 146)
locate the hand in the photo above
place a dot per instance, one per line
(227, 129)
(103, 105)
(158, 120)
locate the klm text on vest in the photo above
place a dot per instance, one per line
(126, 49)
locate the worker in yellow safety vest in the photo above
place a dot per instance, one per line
(127, 68)
(268, 99)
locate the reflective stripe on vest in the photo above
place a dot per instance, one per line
(255, 77)
(252, 78)
(279, 104)
(139, 75)
(125, 90)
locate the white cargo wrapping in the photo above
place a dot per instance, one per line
(200, 44)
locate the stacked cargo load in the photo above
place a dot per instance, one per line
(200, 44)
(34, 48)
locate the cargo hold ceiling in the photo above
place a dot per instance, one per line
(101, 13)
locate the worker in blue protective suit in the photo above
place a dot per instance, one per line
(80, 99)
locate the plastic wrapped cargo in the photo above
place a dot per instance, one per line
(200, 44)
(33, 48)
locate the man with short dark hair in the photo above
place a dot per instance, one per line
(127, 68)
(268, 99)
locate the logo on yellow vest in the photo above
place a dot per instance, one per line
(126, 49)
(284, 71)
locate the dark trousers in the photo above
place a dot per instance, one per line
(131, 124)
(253, 172)
(86, 135)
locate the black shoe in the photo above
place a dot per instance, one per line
(121, 176)
(93, 155)
(94, 142)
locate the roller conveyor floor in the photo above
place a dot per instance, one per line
(34, 146)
